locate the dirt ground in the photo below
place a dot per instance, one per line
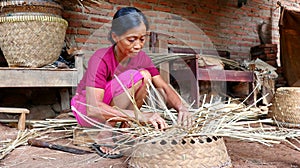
(243, 155)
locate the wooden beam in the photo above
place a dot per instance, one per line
(38, 77)
(13, 110)
(224, 75)
(215, 75)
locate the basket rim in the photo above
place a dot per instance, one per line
(41, 18)
(30, 3)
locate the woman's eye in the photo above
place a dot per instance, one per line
(131, 40)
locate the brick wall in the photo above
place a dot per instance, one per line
(200, 24)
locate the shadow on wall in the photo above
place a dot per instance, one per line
(3, 62)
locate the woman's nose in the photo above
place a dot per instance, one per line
(138, 44)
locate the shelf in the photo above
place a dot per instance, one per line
(38, 77)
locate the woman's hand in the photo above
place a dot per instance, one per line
(184, 117)
(156, 120)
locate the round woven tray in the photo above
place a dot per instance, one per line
(31, 41)
(192, 152)
(286, 106)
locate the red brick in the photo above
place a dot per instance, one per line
(151, 1)
(175, 41)
(142, 5)
(103, 6)
(80, 40)
(102, 20)
(78, 16)
(198, 38)
(163, 9)
(162, 21)
(91, 25)
(165, 3)
(100, 33)
(105, 42)
(92, 40)
(195, 44)
(75, 23)
(71, 31)
(97, 11)
(83, 32)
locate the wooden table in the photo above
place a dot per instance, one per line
(195, 74)
(44, 77)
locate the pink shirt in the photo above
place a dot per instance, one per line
(103, 65)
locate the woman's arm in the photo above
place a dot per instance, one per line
(97, 109)
(173, 100)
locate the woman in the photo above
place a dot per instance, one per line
(100, 91)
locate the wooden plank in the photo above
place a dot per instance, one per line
(224, 75)
(13, 110)
(38, 77)
(215, 75)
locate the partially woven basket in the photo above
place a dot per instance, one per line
(285, 107)
(32, 41)
(192, 152)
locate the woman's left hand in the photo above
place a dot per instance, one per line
(184, 117)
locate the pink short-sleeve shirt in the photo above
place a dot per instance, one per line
(102, 67)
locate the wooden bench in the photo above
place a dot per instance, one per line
(21, 111)
(44, 77)
(203, 74)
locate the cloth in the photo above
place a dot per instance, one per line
(102, 68)
(289, 29)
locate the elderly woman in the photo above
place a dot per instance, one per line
(99, 90)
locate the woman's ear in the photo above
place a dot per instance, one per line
(114, 37)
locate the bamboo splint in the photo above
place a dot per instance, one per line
(21, 111)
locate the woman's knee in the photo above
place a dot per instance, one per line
(146, 75)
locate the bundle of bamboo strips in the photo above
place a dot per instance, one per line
(40, 129)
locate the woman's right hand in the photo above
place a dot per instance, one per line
(156, 120)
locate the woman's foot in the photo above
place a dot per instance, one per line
(106, 146)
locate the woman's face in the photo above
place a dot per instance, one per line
(130, 43)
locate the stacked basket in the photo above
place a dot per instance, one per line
(192, 152)
(285, 106)
(32, 32)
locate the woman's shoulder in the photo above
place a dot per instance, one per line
(103, 51)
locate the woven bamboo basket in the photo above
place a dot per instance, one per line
(31, 41)
(192, 152)
(286, 106)
(26, 7)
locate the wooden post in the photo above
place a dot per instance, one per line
(64, 98)
(21, 122)
(79, 66)
(161, 46)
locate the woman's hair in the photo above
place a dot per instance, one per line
(125, 19)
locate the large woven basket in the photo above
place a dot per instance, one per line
(31, 41)
(193, 152)
(26, 7)
(285, 107)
